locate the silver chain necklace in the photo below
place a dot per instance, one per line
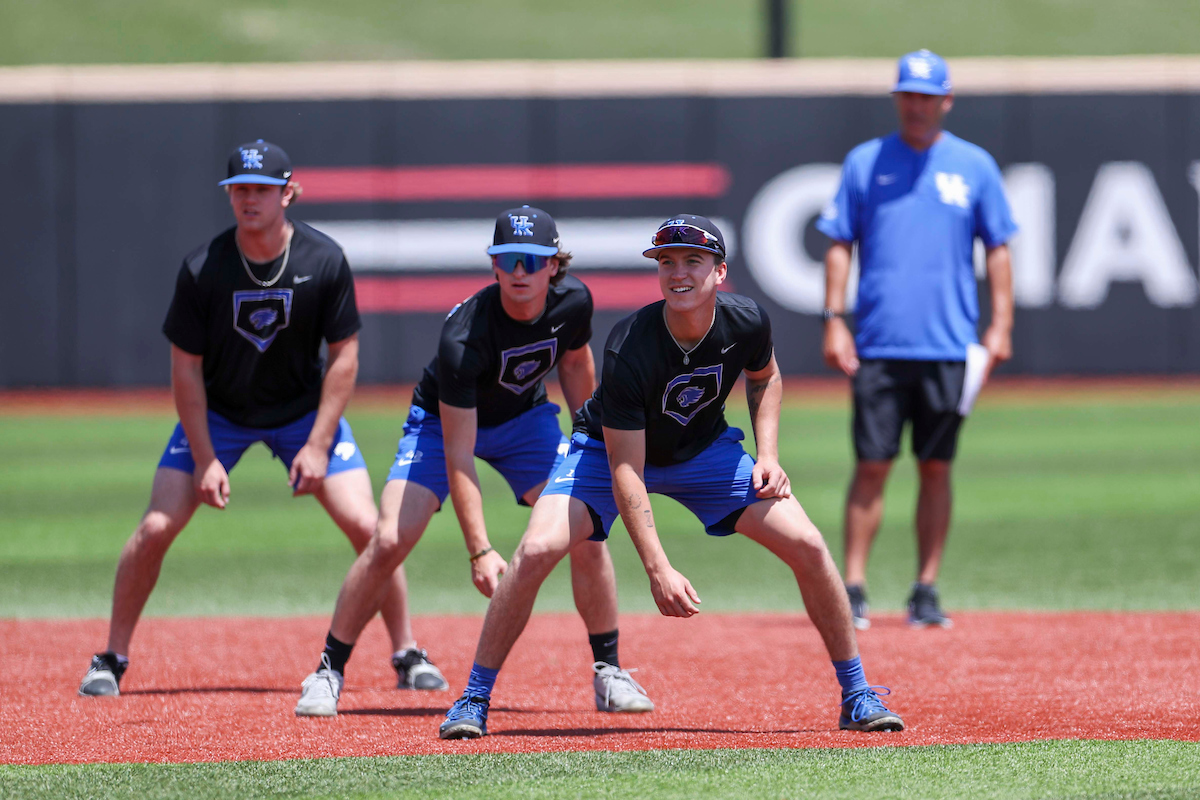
(688, 353)
(287, 251)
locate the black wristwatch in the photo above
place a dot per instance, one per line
(828, 313)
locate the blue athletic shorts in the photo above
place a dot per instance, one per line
(231, 440)
(715, 485)
(525, 450)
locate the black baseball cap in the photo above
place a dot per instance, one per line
(525, 230)
(259, 162)
(687, 230)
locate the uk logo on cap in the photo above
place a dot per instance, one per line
(521, 225)
(252, 159)
(922, 72)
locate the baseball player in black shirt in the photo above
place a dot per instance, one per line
(250, 311)
(483, 395)
(657, 424)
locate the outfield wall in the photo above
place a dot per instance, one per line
(111, 178)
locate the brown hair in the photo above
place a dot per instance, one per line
(564, 261)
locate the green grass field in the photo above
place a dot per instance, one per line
(1059, 505)
(1089, 502)
(149, 31)
(1031, 771)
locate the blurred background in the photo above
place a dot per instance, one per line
(411, 125)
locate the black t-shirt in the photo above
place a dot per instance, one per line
(262, 345)
(645, 384)
(491, 362)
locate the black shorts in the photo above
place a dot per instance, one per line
(888, 393)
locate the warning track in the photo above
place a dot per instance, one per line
(216, 689)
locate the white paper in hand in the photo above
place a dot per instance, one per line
(977, 361)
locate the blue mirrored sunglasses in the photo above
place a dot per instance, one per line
(508, 261)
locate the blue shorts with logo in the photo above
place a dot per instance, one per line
(715, 485)
(525, 450)
(231, 440)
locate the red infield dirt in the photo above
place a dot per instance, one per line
(210, 689)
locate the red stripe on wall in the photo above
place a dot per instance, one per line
(439, 294)
(506, 182)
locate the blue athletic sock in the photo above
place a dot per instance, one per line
(850, 675)
(481, 681)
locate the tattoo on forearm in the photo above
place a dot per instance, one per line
(635, 502)
(649, 518)
(756, 391)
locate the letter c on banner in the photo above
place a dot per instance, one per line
(773, 232)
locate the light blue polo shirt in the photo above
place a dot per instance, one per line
(915, 216)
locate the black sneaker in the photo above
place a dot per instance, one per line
(414, 670)
(923, 608)
(103, 678)
(858, 606)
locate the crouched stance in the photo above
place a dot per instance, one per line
(656, 424)
(483, 395)
(245, 325)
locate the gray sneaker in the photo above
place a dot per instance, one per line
(103, 678)
(414, 670)
(617, 691)
(320, 692)
(858, 606)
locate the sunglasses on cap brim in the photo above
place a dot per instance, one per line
(508, 262)
(687, 236)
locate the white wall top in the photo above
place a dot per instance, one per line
(567, 79)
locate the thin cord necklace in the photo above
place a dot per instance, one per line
(287, 251)
(688, 353)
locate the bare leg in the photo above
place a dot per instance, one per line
(558, 522)
(933, 517)
(350, 501)
(404, 511)
(593, 579)
(864, 511)
(172, 503)
(594, 585)
(781, 526)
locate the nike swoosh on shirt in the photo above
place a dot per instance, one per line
(725, 350)
(884, 180)
(301, 279)
(556, 327)
(563, 480)
(177, 450)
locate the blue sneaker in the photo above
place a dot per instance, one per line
(466, 719)
(864, 711)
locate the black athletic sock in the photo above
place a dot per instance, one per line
(604, 647)
(338, 652)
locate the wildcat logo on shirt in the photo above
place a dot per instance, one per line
(522, 367)
(259, 315)
(686, 395)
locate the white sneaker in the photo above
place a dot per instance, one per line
(414, 670)
(617, 691)
(320, 691)
(103, 677)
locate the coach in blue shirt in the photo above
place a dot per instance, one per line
(914, 202)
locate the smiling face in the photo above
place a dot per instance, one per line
(689, 277)
(521, 288)
(258, 207)
(921, 115)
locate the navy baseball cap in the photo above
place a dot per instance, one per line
(525, 230)
(259, 162)
(687, 230)
(923, 72)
